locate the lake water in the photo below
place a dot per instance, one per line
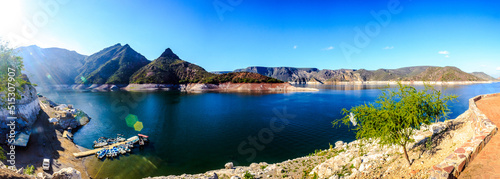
(194, 133)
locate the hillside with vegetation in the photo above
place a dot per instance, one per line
(444, 74)
(113, 65)
(240, 77)
(50, 66)
(484, 76)
(170, 69)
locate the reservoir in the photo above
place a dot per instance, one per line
(197, 132)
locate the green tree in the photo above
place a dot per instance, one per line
(10, 63)
(395, 115)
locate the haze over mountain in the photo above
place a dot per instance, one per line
(483, 75)
(51, 66)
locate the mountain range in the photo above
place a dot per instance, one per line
(416, 73)
(119, 64)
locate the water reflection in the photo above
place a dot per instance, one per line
(194, 133)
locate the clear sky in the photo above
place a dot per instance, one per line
(230, 34)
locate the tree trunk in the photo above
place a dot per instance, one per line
(406, 155)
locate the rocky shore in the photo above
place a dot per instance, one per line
(200, 87)
(395, 82)
(47, 142)
(360, 159)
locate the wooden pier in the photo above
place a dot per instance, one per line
(93, 151)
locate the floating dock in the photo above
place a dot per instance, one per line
(92, 152)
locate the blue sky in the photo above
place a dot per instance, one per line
(230, 34)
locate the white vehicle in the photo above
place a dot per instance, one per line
(46, 164)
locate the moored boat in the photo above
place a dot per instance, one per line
(102, 153)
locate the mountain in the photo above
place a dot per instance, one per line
(50, 66)
(112, 65)
(282, 73)
(390, 74)
(447, 73)
(170, 69)
(484, 76)
(240, 77)
(220, 72)
(416, 73)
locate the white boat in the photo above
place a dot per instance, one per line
(100, 144)
(120, 139)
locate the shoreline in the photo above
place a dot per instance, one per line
(346, 159)
(243, 87)
(396, 82)
(198, 87)
(48, 142)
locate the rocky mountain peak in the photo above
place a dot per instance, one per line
(168, 53)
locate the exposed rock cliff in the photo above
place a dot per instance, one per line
(223, 87)
(27, 109)
(415, 73)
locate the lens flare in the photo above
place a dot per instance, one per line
(131, 120)
(138, 126)
(84, 80)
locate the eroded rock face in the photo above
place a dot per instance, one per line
(67, 173)
(27, 109)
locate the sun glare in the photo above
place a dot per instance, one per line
(10, 16)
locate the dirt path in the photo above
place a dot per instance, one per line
(47, 142)
(487, 163)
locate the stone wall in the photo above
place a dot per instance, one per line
(484, 130)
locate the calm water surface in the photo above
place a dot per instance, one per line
(193, 133)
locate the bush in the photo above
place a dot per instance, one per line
(248, 175)
(30, 170)
(396, 113)
(2, 154)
